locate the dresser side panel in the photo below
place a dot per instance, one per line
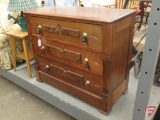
(121, 55)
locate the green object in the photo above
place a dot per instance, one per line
(9, 17)
(21, 22)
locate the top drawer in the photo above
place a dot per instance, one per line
(80, 34)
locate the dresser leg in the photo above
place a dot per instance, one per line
(105, 106)
(105, 113)
(37, 76)
(37, 71)
(39, 80)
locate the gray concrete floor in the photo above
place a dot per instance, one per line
(18, 104)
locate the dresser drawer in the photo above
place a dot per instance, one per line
(70, 32)
(64, 53)
(71, 55)
(71, 75)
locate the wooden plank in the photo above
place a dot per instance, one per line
(22, 55)
(17, 34)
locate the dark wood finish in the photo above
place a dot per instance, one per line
(55, 29)
(63, 53)
(95, 62)
(71, 75)
(85, 52)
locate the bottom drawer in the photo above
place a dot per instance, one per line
(71, 75)
(73, 90)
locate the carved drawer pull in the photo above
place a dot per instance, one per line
(59, 26)
(65, 69)
(47, 68)
(61, 49)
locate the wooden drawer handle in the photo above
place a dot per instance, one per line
(59, 25)
(65, 69)
(61, 49)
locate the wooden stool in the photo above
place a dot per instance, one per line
(27, 55)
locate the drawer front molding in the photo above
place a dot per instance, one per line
(65, 73)
(70, 32)
(63, 53)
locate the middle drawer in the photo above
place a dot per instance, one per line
(80, 58)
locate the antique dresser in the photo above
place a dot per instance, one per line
(85, 52)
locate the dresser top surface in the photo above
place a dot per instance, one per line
(83, 13)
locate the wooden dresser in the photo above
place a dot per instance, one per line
(85, 52)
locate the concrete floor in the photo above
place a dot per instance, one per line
(18, 104)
